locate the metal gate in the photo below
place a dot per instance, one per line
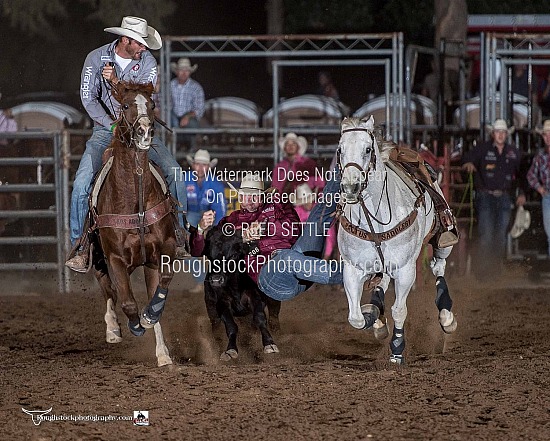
(32, 210)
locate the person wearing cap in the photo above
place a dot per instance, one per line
(495, 165)
(187, 98)
(284, 262)
(127, 58)
(538, 177)
(304, 201)
(295, 168)
(205, 193)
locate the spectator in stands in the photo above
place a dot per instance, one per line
(125, 59)
(304, 201)
(187, 99)
(545, 95)
(520, 81)
(326, 86)
(538, 177)
(431, 84)
(495, 165)
(296, 168)
(7, 123)
(205, 193)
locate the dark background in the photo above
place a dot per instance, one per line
(45, 42)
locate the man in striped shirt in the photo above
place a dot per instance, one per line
(538, 177)
(187, 99)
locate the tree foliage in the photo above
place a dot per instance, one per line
(49, 18)
(34, 17)
(327, 16)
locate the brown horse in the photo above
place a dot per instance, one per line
(134, 221)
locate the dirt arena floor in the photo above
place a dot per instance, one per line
(488, 381)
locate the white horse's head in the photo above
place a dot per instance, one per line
(357, 156)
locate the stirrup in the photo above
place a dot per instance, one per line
(77, 255)
(447, 239)
(183, 249)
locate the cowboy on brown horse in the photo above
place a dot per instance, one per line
(132, 220)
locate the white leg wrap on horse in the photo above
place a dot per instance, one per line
(438, 266)
(113, 334)
(163, 357)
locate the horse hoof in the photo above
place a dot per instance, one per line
(136, 329)
(147, 321)
(164, 361)
(371, 314)
(381, 331)
(113, 336)
(447, 321)
(397, 359)
(229, 355)
(271, 349)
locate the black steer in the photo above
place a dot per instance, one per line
(229, 292)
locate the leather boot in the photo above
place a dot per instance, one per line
(80, 257)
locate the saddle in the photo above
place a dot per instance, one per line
(89, 240)
(445, 232)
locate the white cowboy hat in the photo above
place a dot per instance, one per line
(500, 124)
(137, 28)
(300, 140)
(521, 223)
(183, 64)
(202, 157)
(545, 128)
(250, 184)
(303, 195)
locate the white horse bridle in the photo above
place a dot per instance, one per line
(364, 173)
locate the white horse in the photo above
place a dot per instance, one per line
(384, 223)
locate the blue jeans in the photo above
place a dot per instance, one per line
(91, 163)
(493, 217)
(290, 271)
(546, 218)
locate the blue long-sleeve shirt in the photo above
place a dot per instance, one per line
(206, 195)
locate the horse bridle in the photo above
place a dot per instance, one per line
(372, 161)
(370, 167)
(132, 128)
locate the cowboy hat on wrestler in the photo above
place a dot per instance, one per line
(137, 29)
(183, 64)
(251, 184)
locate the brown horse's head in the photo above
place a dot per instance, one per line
(136, 118)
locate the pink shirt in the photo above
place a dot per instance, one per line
(288, 175)
(330, 241)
